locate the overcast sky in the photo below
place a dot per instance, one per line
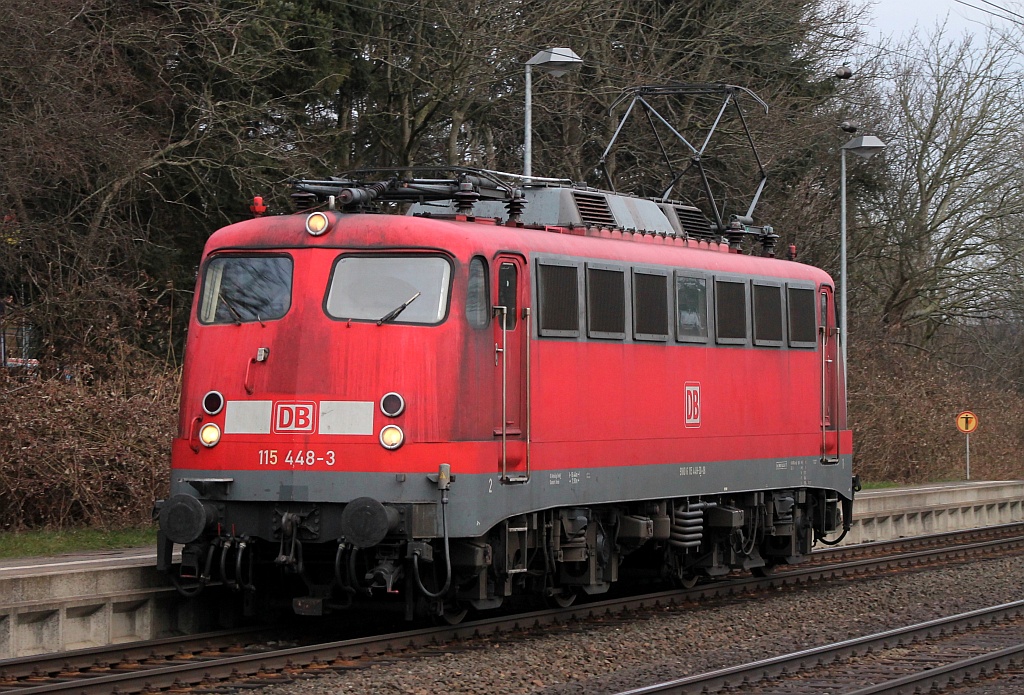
(894, 17)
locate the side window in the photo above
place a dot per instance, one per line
(802, 326)
(508, 291)
(558, 287)
(606, 302)
(650, 305)
(691, 309)
(478, 304)
(767, 314)
(731, 311)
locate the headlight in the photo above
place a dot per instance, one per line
(392, 404)
(391, 437)
(317, 223)
(209, 434)
(213, 402)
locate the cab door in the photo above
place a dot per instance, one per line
(511, 361)
(828, 338)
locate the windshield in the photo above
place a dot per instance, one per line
(371, 288)
(241, 289)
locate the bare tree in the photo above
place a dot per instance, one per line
(446, 86)
(943, 239)
(127, 132)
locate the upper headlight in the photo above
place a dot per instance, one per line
(213, 402)
(392, 404)
(318, 223)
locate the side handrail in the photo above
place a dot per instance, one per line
(503, 310)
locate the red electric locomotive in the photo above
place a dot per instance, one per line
(522, 386)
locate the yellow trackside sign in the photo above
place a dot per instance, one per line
(967, 422)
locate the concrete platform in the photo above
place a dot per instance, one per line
(92, 599)
(892, 513)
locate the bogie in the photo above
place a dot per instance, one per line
(555, 555)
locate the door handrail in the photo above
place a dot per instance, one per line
(825, 459)
(503, 310)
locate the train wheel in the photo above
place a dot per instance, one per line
(689, 581)
(453, 613)
(564, 598)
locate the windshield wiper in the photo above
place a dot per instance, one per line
(231, 307)
(393, 314)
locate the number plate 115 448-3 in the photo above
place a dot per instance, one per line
(296, 457)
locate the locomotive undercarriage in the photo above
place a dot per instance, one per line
(555, 554)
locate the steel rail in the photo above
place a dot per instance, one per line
(804, 660)
(188, 671)
(936, 678)
(931, 539)
(26, 666)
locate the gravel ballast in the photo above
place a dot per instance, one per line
(671, 643)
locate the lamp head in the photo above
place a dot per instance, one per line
(555, 61)
(866, 146)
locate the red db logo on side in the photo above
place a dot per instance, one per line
(692, 411)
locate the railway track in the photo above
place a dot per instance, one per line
(923, 658)
(219, 662)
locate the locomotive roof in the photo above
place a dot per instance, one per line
(567, 205)
(530, 200)
(463, 236)
(521, 199)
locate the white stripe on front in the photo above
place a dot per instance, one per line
(247, 417)
(346, 417)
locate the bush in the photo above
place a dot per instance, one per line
(80, 452)
(903, 405)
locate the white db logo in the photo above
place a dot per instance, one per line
(294, 417)
(692, 410)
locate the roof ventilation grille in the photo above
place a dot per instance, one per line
(695, 223)
(593, 209)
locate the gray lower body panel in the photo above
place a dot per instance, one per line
(478, 502)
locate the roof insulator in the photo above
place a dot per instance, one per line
(515, 205)
(735, 233)
(465, 198)
(768, 240)
(303, 201)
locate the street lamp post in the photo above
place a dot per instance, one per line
(557, 62)
(865, 146)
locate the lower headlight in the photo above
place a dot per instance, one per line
(209, 434)
(391, 437)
